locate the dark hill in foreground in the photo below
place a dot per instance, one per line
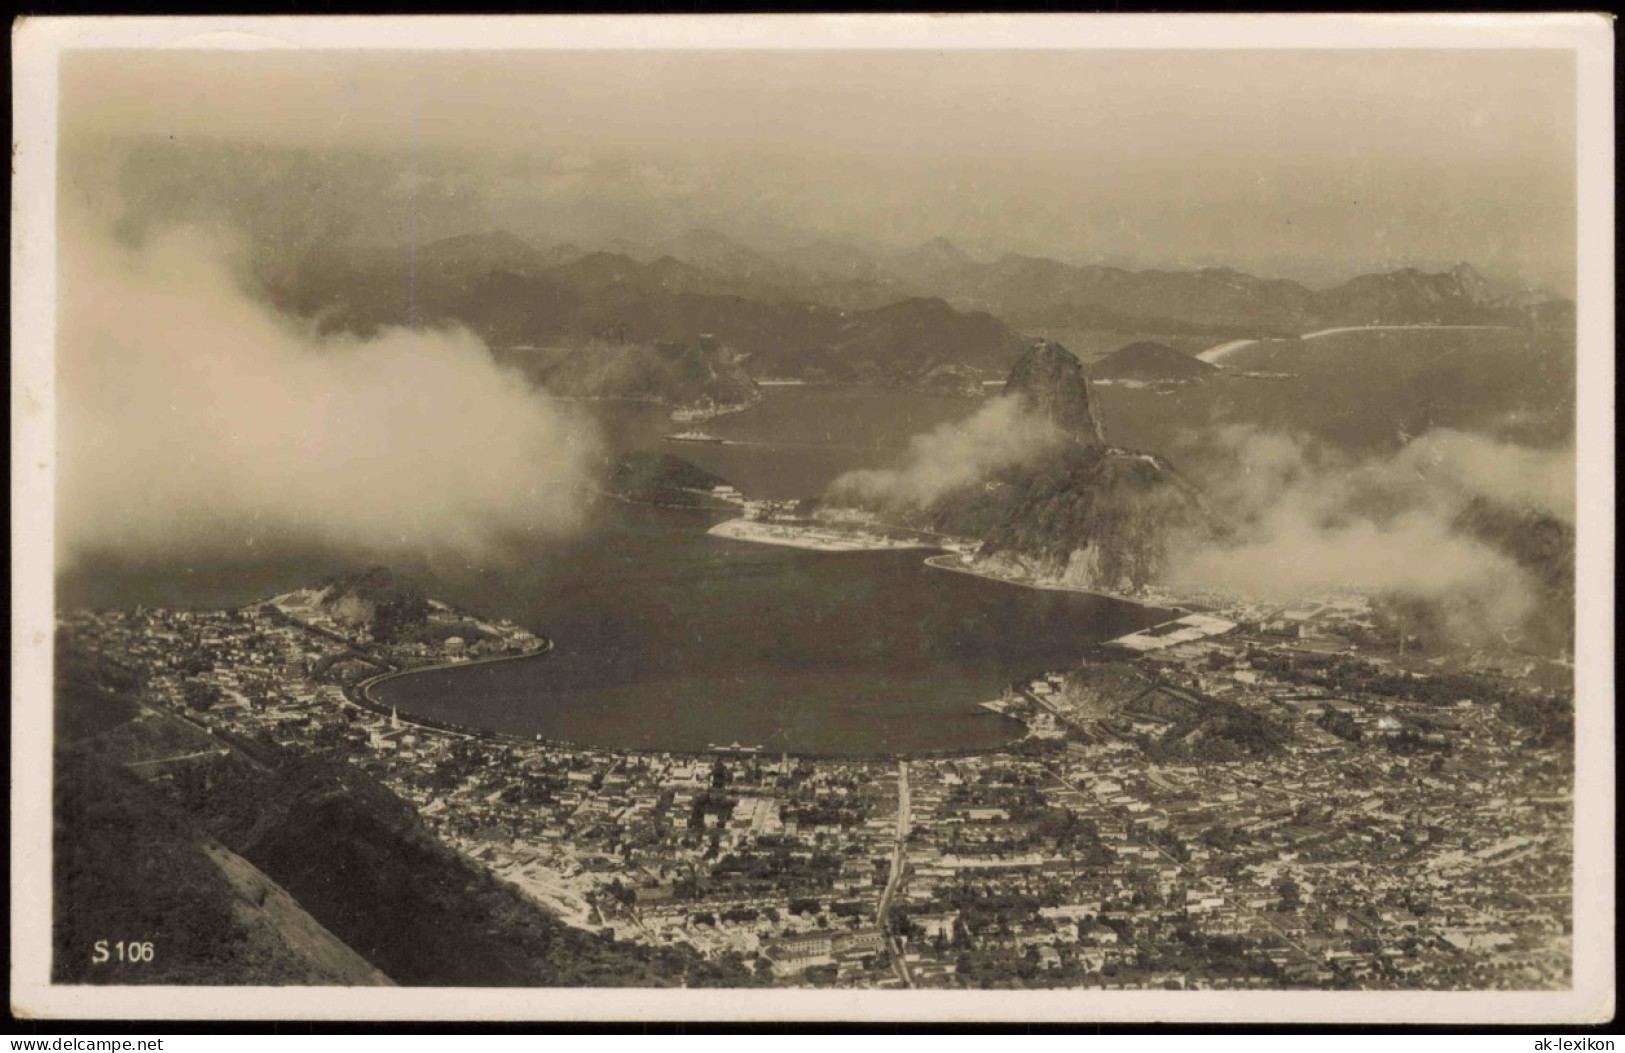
(290, 868)
(362, 862)
(129, 865)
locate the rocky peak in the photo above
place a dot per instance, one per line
(1474, 286)
(1052, 383)
(936, 256)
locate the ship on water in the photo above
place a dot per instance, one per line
(693, 436)
(735, 747)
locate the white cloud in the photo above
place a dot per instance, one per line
(192, 416)
(953, 455)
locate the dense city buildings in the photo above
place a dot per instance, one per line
(1243, 798)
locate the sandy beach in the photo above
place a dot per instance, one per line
(821, 539)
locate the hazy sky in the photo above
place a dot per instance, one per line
(1279, 162)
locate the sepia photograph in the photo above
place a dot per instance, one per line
(824, 518)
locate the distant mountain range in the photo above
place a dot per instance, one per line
(930, 317)
(517, 297)
(1035, 292)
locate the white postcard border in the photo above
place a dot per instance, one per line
(37, 48)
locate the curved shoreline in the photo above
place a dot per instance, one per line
(360, 695)
(360, 692)
(1218, 351)
(943, 560)
(939, 564)
(809, 537)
